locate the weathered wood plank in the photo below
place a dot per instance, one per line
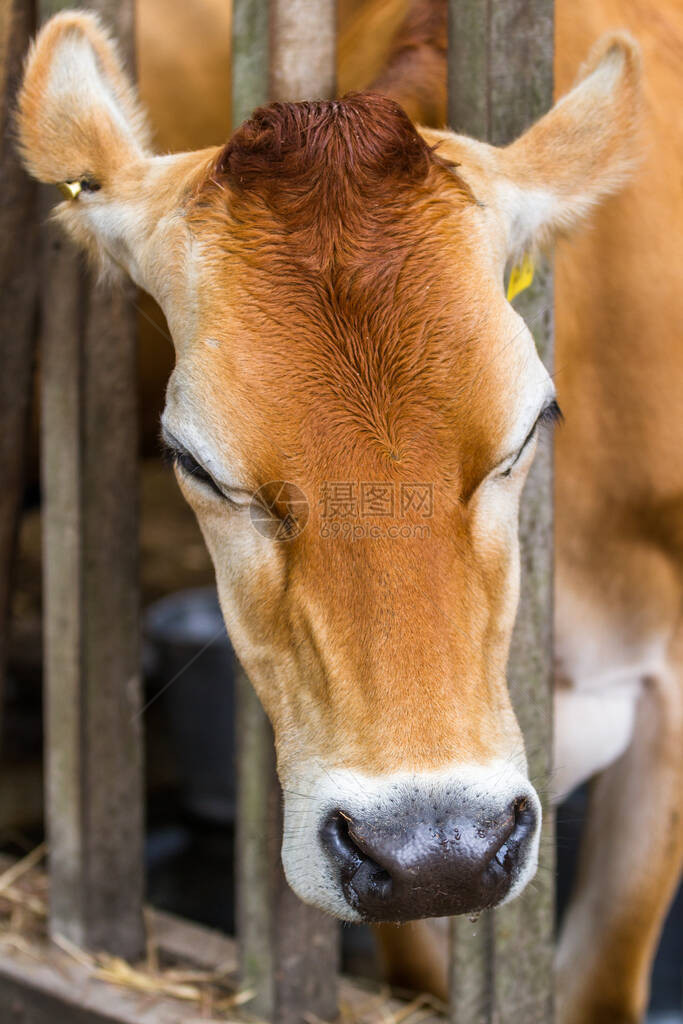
(18, 286)
(41, 984)
(92, 693)
(256, 846)
(500, 81)
(471, 969)
(289, 952)
(524, 930)
(250, 57)
(181, 941)
(303, 62)
(284, 50)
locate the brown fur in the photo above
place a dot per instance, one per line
(322, 169)
(361, 347)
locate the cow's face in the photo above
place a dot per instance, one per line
(353, 412)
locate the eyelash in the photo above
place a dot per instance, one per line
(189, 465)
(508, 472)
(550, 415)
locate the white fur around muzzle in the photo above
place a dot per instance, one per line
(313, 795)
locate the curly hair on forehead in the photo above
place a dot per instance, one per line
(336, 224)
(329, 178)
(363, 137)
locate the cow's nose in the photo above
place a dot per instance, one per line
(451, 864)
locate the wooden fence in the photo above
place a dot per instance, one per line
(500, 80)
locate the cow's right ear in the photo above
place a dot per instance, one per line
(78, 116)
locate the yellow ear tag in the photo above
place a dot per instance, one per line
(521, 276)
(69, 189)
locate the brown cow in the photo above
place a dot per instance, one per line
(333, 284)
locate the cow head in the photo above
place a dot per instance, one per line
(353, 412)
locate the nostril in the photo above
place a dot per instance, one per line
(336, 837)
(517, 824)
(503, 855)
(340, 842)
(524, 817)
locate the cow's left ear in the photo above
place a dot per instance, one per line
(582, 150)
(79, 126)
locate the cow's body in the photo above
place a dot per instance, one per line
(619, 529)
(619, 506)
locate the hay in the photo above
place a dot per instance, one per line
(213, 993)
(23, 888)
(23, 927)
(383, 1007)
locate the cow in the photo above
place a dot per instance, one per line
(332, 277)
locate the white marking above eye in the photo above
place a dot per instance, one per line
(181, 431)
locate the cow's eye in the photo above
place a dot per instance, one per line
(511, 465)
(551, 413)
(188, 465)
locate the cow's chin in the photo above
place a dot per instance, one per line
(410, 845)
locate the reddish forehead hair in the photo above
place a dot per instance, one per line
(364, 138)
(321, 167)
(333, 235)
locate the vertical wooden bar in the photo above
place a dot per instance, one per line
(94, 793)
(303, 63)
(18, 286)
(524, 929)
(250, 57)
(500, 81)
(282, 50)
(471, 969)
(288, 951)
(257, 846)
